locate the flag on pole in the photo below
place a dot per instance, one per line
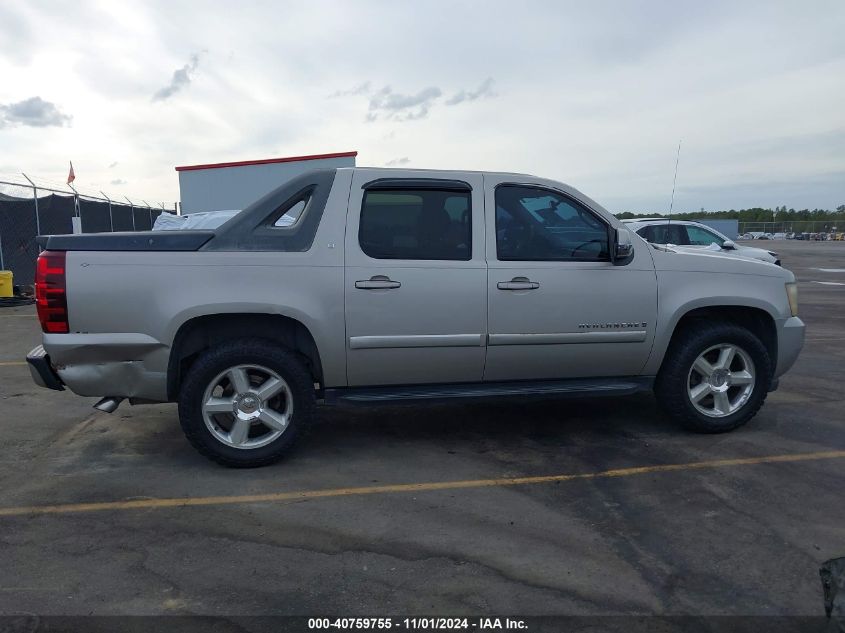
(71, 176)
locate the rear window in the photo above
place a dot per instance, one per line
(416, 224)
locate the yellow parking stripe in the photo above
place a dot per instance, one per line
(138, 504)
(12, 363)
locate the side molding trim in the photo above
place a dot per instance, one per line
(568, 338)
(416, 340)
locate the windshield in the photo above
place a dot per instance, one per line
(700, 236)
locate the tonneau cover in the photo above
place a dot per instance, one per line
(133, 241)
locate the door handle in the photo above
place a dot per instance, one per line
(518, 283)
(377, 282)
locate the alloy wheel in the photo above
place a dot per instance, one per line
(721, 380)
(247, 406)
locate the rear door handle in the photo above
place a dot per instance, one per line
(518, 283)
(377, 282)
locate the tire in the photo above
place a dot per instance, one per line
(245, 402)
(682, 377)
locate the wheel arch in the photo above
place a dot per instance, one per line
(758, 320)
(202, 332)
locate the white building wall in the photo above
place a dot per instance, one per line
(224, 186)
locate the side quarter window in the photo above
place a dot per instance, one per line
(534, 224)
(292, 215)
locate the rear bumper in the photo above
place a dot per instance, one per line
(127, 365)
(42, 371)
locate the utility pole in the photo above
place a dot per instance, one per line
(674, 180)
(75, 199)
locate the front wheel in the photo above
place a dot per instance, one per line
(244, 403)
(714, 378)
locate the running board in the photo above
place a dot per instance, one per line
(581, 387)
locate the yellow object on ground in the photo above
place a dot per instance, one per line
(6, 289)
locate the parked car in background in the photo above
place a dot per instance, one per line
(694, 235)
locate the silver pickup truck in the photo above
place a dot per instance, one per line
(381, 285)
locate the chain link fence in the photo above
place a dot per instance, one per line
(28, 210)
(796, 227)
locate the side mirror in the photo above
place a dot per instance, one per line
(729, 245)
(621, 247)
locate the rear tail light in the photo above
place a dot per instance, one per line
(50, 292)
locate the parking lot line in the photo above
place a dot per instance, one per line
(154, 503)
(12, 363)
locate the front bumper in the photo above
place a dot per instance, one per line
(790, 342)
(42, 371)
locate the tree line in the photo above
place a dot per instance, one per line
(756, 214)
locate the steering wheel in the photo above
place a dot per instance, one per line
(580, 246)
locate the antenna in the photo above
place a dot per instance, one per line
(674, 180)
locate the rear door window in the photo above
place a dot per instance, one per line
(419, 224)
(665, 234)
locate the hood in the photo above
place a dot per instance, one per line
(740, 251)
(754, 251)
(679, 258)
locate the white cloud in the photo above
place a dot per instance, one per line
(33, 112)
(484, 91)
(400, 107)
(181, 79)
(361, 89)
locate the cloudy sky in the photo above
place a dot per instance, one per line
(596, 94)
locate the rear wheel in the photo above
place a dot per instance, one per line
(714, 378)
(244, 403)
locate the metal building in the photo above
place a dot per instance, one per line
(222, 186)
(728, 228)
